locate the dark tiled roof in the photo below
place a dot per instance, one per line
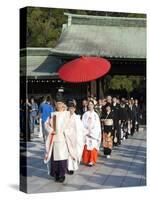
(116, 37)
(38, 62)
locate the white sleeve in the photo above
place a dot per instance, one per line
(96, 130)
(84, 121)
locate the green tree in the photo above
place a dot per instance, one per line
(44, 26)
(118, 82)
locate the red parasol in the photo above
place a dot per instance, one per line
(84, 69)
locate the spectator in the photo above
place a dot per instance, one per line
(84, 107)
(109, 100)
(46, 111)
(124, 115)
(115, 109)
(26, 130)
(131, 116)
(33, 114)
(98, 108)
(43, 101)
(22, 120)
(137, 115)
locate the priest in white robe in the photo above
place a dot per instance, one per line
(56, 146)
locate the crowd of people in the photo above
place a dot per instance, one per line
(73, 134)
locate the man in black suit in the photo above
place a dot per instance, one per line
(84, 107)
(115, 109)
(137, 115)
(124, 116)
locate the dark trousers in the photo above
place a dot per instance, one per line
(32, 123)
(58, 168)
(124, 127)
(107, 151)
(133, 127)
(22, 122)
(26, 129)
(137, 127)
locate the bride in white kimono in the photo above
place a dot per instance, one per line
(91, 123)
(75, 139)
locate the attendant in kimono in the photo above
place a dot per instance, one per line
(75, 139)
(56, 147)
(107, 120)
(91, 123)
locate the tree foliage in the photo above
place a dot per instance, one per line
(121, 82)
(44, 25)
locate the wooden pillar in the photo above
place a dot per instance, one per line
(93, 88)
(99, 89)
(88, 89)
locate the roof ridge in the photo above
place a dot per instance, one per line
(105, 20)
(103, 17)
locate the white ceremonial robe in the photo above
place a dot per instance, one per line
(91, 123)
(75, 138)
(59, 145)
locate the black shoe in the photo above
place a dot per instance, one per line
(70, 172)
(57, 178)
(62, 179)
(132, 133)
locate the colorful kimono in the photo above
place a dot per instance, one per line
(108, 133)
(92, 127)
(107, 142)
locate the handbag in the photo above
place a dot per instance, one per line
(115, 138)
